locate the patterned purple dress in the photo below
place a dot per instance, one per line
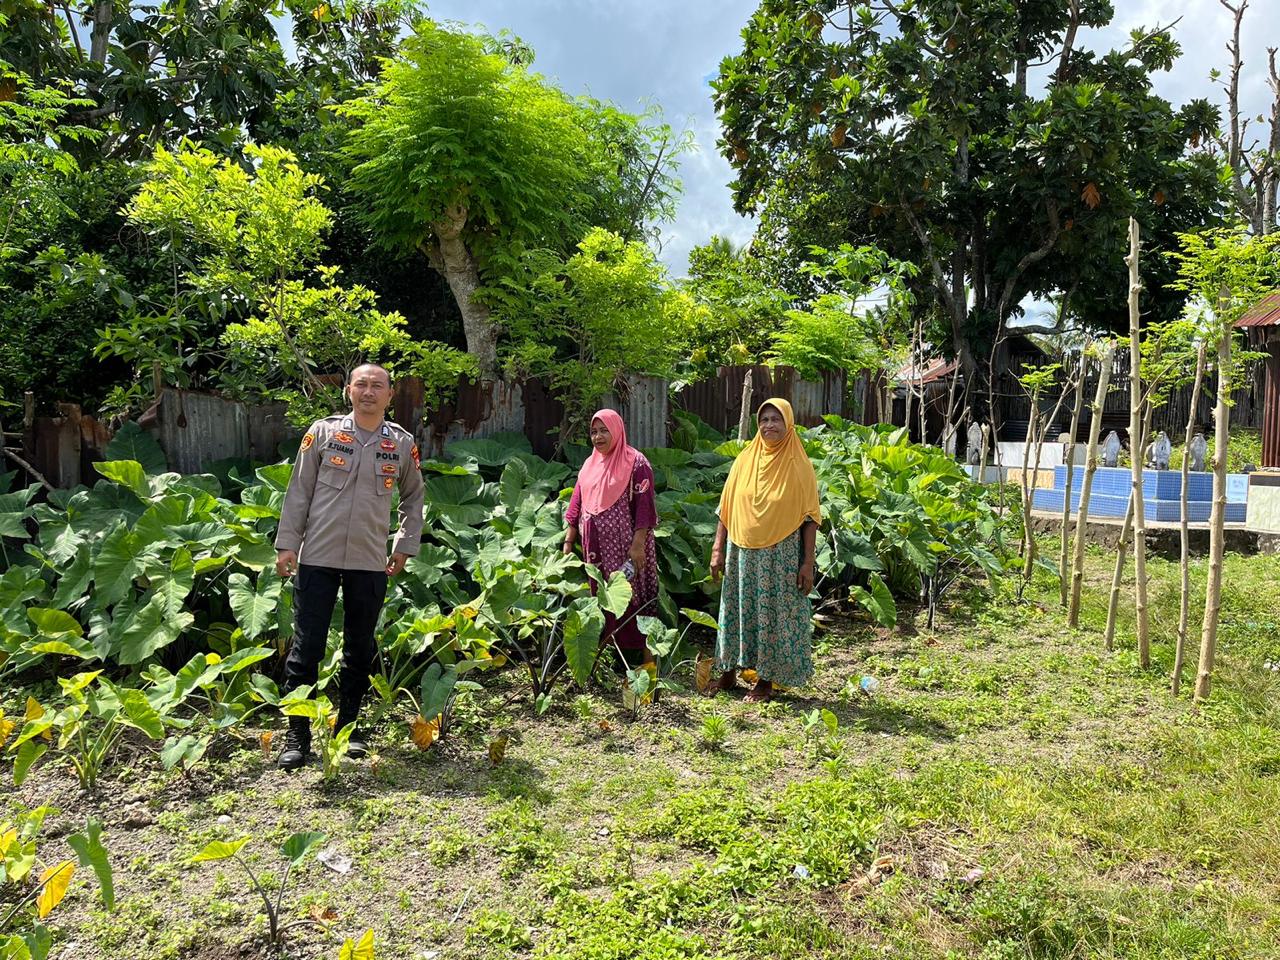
(606, 543)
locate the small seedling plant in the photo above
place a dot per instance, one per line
(329, 743)
(34, 893)
(294, 851)
(88, 727)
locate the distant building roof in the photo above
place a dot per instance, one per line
(1264, 313)
(935, 369)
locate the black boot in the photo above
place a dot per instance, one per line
(358, 743)
(297, 744)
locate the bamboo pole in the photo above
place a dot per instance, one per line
(1184, 600)
(1213, 590)
(1114, 602)
(744, 415)
(1091, 467)
(1126, 533)
(1070, 459)
(1137, 451)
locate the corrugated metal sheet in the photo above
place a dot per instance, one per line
(480, 410)
(645, 408)
(197, 429)
(1264, 313)
(719, 401)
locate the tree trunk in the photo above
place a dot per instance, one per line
(1091, 467)
(1184, 600)
(1068, 457)
(1113, 604)
(744, 414)
(1213, 591)
(1138, 442)
(100, 37)
(452, 258)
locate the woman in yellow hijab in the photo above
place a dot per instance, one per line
(769, 516)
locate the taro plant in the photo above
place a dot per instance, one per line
(533, 614)
(437, 691)
(294, 850)
(670, 652)
(89, 726)
(329, 743)
(223, 694)
(31, 888)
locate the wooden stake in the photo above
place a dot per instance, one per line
(1137, 451)
(1213, 591)
(1184, 600)
(1069, 458)
(1091, 467)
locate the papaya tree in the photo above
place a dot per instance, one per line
(1229, 269)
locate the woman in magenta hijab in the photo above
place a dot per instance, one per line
(613, 512)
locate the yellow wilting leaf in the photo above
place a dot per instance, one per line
(6, 840)
(264, 741)
(55, 881)
(424, 732)
(702, 673)
(358, 951)
(605, 725)
(1090, 195)
(212, 659)
(497, 749)
(6, 727)
(749, 676)
(35, 712)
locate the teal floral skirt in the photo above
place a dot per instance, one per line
(765, 621)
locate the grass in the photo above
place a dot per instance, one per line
(1009, 791)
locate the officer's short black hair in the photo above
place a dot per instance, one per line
(361, 366)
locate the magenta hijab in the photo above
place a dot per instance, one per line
(604, 477)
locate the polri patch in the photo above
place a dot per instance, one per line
(388, 482)
(338, 461)
(388, 444)
(308, 440)
(389, 468)
(344, 438)
(417, 459)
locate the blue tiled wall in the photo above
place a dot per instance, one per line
(1162, 492)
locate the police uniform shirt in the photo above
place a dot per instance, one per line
(337, 508)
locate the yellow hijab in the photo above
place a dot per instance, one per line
(771, 489)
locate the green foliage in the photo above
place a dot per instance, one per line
(458, 132)
(243, 243)
(920, 129)
(737, 311)
(1225, 272)
(584, 323)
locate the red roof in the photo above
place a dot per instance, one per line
(1264, 313)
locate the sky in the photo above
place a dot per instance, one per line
(641, 52)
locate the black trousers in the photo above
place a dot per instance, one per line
(315, 591)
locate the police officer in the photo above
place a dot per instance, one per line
(333, 532)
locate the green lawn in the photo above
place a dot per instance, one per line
(1025, 795)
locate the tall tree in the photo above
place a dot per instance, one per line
(973, 138)
(466, 155)
(1253, 164)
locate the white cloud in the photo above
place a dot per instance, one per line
(664, 52)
